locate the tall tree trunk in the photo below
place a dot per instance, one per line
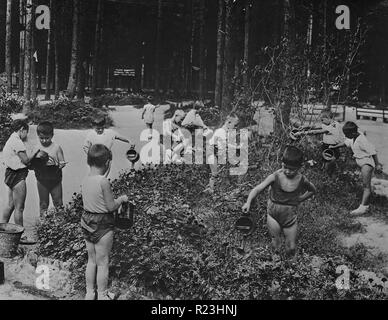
(27, 55)
(246, 43)
(56, 26)
(202, 48)
(97, 40)
(81, 79)
(220, 53)
(48, 57)
(33, 60)
(188, 45)
(21, 47)
(158, 45)
(74, 63)
(228, 70)
(8, 60)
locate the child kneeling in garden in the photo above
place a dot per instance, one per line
(97, 221)
(366, 158)
(288, 188)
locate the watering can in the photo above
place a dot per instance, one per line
(245, 224)
(124, 217)
(132, 155)
(328, 155)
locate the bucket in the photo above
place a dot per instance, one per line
(328, 154)
(245, 225)
(124, 217)
(10, 235)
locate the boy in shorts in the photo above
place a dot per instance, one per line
(288, 188)
(97, 221)
(16, 161)
(49, 175)
(366, 158)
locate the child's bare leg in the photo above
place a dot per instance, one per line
(44, 199)
(56, 195)
(275, 231)
(366, 172)
(103, 248)
(91, 271)
(291, 235)
(19, 196)
(9, 208)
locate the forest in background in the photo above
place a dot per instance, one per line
(195, 48)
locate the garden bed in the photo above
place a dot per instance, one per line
(184, 245)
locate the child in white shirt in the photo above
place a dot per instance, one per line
(366, 158)
(101, 135)
(16, 162)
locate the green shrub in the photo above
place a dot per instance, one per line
(9, 103)
(119, 99)
(67, 114)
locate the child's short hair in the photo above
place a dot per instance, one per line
(99, 121)
(45, 128)
(98, 155)
(293, 156)
(19, 124)
(350, 127)
(327, 114)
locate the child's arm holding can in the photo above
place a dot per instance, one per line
(258, 189)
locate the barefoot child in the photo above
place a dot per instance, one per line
(16, 161)
(97, 221)
(331, 131)
(49, 176)
(366, 158)
(220, 141)
(148, 114)
(288, 188)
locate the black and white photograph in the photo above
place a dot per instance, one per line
(193, 155)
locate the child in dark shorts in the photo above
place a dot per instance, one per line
(97, 221)
(288, 188)
(16, 161)
(49, 175)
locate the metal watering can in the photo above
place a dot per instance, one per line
(124, 218)
(246, 224)
(132, 155)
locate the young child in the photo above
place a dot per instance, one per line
(288, 188)
(148, 114)
(101, 135)
(366, 158)
(16, 161)
(332, 136)
(49, 176)
(173, 134)
(220, 141)
(97, 221)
